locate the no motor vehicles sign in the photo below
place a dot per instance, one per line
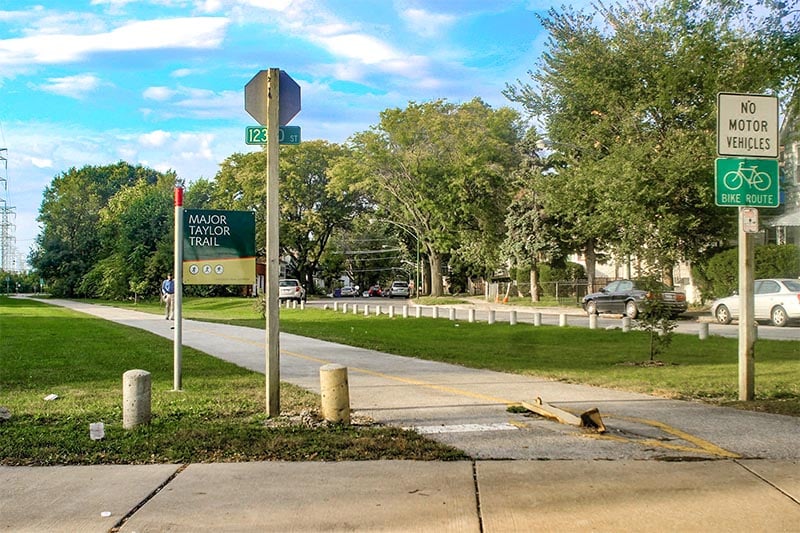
(747, 125)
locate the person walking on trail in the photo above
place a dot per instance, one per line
(168, 294)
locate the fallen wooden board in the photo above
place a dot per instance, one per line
(590, 418)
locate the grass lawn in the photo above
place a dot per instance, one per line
(220, 416)
(692, 369)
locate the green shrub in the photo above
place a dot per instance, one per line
(771, 261)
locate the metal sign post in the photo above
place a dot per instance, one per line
(178, 296)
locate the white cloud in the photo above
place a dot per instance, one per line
(41, 163)
(78, 86)
(189, 32)
(154, 138)
(182, 73)
(158, 93)
(426, 23)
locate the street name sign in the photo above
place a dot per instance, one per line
(258, 135)
(747, 182)
(747, 125)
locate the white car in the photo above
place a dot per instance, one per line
(776, 300)
(399, 289)
(290, 289)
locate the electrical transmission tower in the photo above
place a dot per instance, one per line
(7, 214)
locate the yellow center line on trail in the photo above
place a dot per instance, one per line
(701, 445)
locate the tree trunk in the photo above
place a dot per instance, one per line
(535, 296)
(437, 288)
(591, 264)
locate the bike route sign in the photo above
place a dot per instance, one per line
(747, 182)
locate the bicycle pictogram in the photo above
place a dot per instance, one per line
(760, 181)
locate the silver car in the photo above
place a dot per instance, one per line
(776, 300)
(399, 289)
(290, 289)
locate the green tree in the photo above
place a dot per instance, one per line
(70, 244)
(631, 105)
(441, 170)
(312, 204)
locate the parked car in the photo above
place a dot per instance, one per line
(290, 289)
(399, 289)
(631, 297)
(374, 291)
(348, 292)
(776, 300)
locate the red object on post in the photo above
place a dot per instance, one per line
(178, 196)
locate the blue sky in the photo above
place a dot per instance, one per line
(161, 82)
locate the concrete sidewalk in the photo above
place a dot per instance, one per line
(606, 486)
(489, 496)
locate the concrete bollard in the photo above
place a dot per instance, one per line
(325, 307)
(344, 309)
(302, 306)
(335, 306)
(405, 311)
(334, 393)
(471, 315)
(366, 309)
(135, 398)
(492, 316)
(626, 324)
(592, 321)
(537, 319)
(562, 320)
(294, 304)
(418, 311)
(452, 313)
(391, 311)
(377, 310)
(435, 311)
(355, 309)
(512, 318)
(703, 332)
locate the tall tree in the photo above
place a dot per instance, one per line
(69, 244)
(440, 170)
(312, 205)
(628, 94)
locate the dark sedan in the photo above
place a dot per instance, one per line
(631, 297)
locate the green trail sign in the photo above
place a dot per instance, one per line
(747, 182)
(219, 247)
(258, 135)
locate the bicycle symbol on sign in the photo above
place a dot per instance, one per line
(734, 179)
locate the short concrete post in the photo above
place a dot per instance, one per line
(366, 309)
(512, 318)
(334, 393)
(355, 309)
(391, 311)
(592, 321)
(325, 307)
(344, 308)
(452, 313)
(626, 324)
(703, 333)
(405, 311)
(418, 311)
(377, 310)
(302, 306)
(135, 398)
(294, 304)
(562, 320)
(471, 315)
(537, 319)
(492, 316)
(435, 311)
(335, 306)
